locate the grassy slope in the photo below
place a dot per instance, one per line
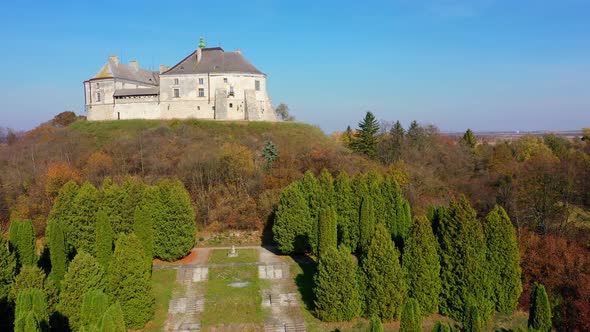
(163, 281)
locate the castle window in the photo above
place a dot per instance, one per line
(225, 80)
(231, 91)
(98, 85)
(198, 108)
(98, 96)
(231, 105)
(176, 93)
(176, 81)
(257, 85)
(201, 81)
(201, 92)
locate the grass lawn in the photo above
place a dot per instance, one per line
(219, 256)
(163, 281)
(231, 305)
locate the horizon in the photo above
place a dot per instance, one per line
(482, 64)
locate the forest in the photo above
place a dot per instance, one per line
(251, 176)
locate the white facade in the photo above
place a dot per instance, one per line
(208, 84)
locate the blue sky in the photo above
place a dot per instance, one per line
(480, 64)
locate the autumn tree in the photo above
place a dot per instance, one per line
(84, 274)
(282, 112)
(336, 290)
(503, 260)
(411, 317)
(292, 219)
(421, 266)
(104, 238)
(174, 232)
(382, 276)
(540, 310)
(22, 241)
(129, 281)
(58, 174)
(365, 141)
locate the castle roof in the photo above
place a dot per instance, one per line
(114, 69)
(214, 60)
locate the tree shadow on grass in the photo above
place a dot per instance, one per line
(304, 280)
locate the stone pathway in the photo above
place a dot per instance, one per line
(279, 300)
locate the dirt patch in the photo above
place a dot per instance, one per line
(195, 256)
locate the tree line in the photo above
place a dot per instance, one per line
(447, 262)
(94, 273)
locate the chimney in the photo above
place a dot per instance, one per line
(134, 64)
(199, 54)
(114, 58)
(163, 68)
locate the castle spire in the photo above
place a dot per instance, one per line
(202, 42)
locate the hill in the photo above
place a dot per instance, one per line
(232, 181)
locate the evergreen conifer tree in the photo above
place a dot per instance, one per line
(80, 232)
(469, 139)
(129, 281)
(366, 141)
(472, 320)
(84, 274)
(442, 327)
(382, 276)
(366, 224)
(375, 324)
(104, 238)
(540, 310)
(111, 200)
(336, 290)
(397, 134)
(31, 301)
(174, 233)
(57, 249)
(311, 189)
(30, 276)
(270, 154)
(143, 228)
(421, 266)
(503, 260)
(94, 305)
(7, 269)
(29, 323)
(113, 319)
(132, 193)
(292, 219)
(22, 240)
(411, 320)
(346, 211)
(328, 231)
(463, 260)
(62, 208)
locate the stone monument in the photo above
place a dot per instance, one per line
(232, 252)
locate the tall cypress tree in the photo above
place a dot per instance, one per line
(104, 238)
(382, 276)
(292, 218)
(22, 240)
(326, 195)
(132, 192)
(366, 224)
(336, 291)
(463, 260)
(420, 262)
(503, 260)
(328, 231)
(31, 300)
(174, 233)
(347, 211)
(310, 187)
(84, 274)
(411, 320)
(144, 229)
(472, 320)
(57, 249)
(111, 198)
(80, 227)
(129, 281)
(94, 305)
(29, 323)
(62, 208)
(7, 269)
(540, 310)
(375, 324)
(392, 197)
(113, 319)
(366, 141)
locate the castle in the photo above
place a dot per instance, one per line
(208, 84)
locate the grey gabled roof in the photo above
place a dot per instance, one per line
(114, 69)
(136, 92)
(214, 60)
